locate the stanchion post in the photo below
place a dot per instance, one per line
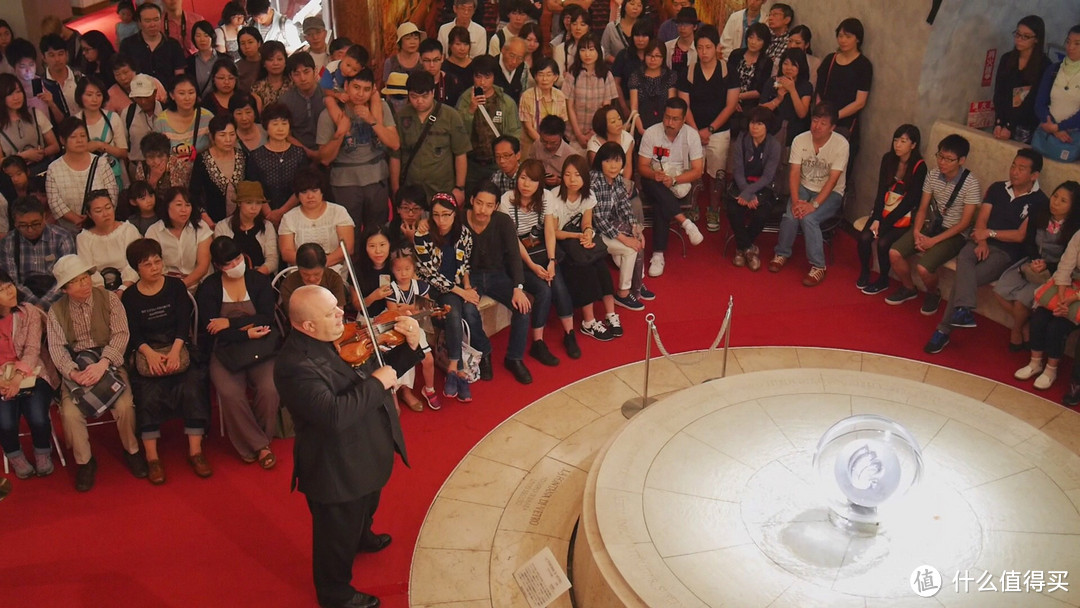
(636, 404)
(727, 334)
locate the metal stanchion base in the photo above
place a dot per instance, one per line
(635, 405)
(5, 487)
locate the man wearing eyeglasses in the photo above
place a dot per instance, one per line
(939, 241)
(29, 252)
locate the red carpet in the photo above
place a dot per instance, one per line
(241, 539)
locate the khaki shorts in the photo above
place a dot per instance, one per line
(936, 256)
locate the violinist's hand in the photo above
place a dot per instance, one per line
(408, 327)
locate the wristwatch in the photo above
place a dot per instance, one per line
(814, 204)
(710, 129)
(993, 234)
(519, 286)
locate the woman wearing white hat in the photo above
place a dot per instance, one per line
(407, 59)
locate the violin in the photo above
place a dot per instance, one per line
(355, 346)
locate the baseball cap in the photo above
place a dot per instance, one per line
(142, 86)
(314, 23)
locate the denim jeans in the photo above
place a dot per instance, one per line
(460, 310)
(35, 408)
(545, 295)
(811, 227)
(500, 287)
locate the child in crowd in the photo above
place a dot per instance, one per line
(127, 27)
(141, 208)
(406, 289)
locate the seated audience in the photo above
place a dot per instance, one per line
(410, 216)
(819, 160)
(236, 310)
(184, 237)
(900, 187)
(508, 160)
(617, 223)
(249, 229)
(154, 169)
(1048, 232)
(527, 206)
(218, 170)
(30, 251)
(103, 243)
(751, 200)
(315, 220)
(568, 213)
(1019, 73)
(22, 328)
(406, 289)
(142, 206)
(997, 241)
(139, 118)
(552, 150)
(74, 173)
(166, 380)
(311, 269)
(609, 127)
(101, 328)
(669, 161)
(373, 269)
(445, 256)
(955, 195)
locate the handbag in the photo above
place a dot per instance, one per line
(7, 371)
(576, 253)
(469, 366)
(92, 401)
(893, 200)
(1054, 149)
(242, 354)
(534, 243)
(935, 224)
(143, 366)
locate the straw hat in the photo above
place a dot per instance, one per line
(405, 29)
(396, 84)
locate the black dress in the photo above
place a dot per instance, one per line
(158, 320)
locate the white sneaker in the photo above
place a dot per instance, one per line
(656, 264)
(692, 232)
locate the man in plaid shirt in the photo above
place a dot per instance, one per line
(29, 252)
(615, 222)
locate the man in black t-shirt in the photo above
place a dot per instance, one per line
(712, 94)
(996, 242)
(153, 53)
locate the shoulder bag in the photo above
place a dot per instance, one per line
(935, 220)
(892, 201)
(240, 355)
(430, 122)
(576, 253)
(92, 401)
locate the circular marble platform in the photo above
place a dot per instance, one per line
(520, 489)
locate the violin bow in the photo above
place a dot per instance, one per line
(363, 306)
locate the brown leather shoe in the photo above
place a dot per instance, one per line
(814, 277)
(777, 263)
(753, 260)
(155, 472)
(200, 466)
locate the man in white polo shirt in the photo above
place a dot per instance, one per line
(669, 161)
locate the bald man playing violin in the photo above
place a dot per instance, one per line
(347, 431)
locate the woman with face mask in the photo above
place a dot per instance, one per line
(236, 310)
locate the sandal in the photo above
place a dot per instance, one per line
(268, 461)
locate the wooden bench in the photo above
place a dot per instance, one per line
(989, 161)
